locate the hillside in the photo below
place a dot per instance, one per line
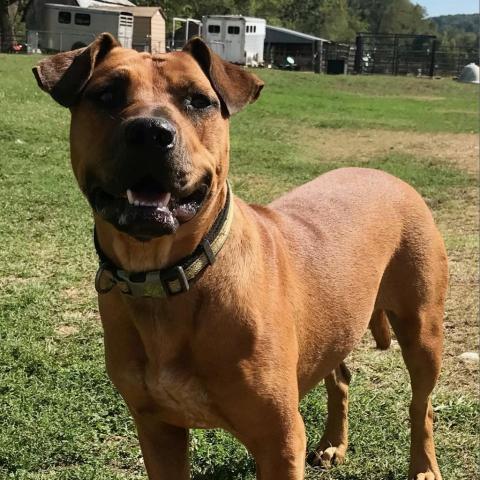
(459, 23)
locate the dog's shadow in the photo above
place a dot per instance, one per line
(242, 469)
(315, 473)
(224, 472)
(224, 466)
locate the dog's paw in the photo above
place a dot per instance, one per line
(326, 458)
(427, 476)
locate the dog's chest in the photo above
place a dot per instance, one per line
(181, 397)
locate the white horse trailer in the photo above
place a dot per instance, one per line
(235, 38)
(67, 27)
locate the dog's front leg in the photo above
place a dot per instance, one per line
(279, 448)
(164, 448)
(333, 444)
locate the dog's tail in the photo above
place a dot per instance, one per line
(380, 329)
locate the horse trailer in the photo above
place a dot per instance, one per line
(68, 27)
(235, 38)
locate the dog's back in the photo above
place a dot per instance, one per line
(363, 242)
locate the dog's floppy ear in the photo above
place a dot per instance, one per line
(235, 86)
(65, 74)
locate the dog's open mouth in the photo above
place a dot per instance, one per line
(146, 210)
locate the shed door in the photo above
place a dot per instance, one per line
(234, 36)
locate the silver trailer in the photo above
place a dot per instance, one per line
(67, 27)
(235, 38)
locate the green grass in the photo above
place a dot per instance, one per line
(59, 416)
(392, 103)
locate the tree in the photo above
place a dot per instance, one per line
(6, 25)
(10, 12)
(392, 16)
(458, 31)
(330, 19)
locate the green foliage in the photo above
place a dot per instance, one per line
(458, 31)
(392, 16)
(330, 19)
(461, 23)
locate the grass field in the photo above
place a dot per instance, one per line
(59, 416)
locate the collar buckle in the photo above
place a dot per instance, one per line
(155, 284)
(175, 281)
(148, 286)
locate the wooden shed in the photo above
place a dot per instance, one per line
(149, 29)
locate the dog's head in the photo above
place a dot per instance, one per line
(149, 133)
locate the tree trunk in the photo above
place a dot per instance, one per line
(6, 26)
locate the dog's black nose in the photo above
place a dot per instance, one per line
(150, 131)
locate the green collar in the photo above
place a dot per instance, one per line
(172, 280)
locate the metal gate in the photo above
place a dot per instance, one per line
(395, 54)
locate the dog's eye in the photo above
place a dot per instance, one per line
(200, 102)
(107, 98)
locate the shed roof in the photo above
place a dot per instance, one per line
(285, 35)
(148, 11)
(104, 3)
(100, 4)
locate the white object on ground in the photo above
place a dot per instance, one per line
(470, 74)
(470, 357)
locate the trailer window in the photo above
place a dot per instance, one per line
(214, 29)
(233, 30)
(82, 19)
(64, 17)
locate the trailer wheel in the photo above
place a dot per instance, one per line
(78, 45)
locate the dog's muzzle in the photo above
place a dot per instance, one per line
(148, 192)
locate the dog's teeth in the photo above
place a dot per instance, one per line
(164, 201)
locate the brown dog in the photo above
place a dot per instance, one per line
(222, 314)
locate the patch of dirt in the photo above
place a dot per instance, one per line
(459, 224)
(460, 149)
(73, 293)
(78, 292)
(14, 280)
(65, 330)
(422, 98)
(426, 98)
(80, 315)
